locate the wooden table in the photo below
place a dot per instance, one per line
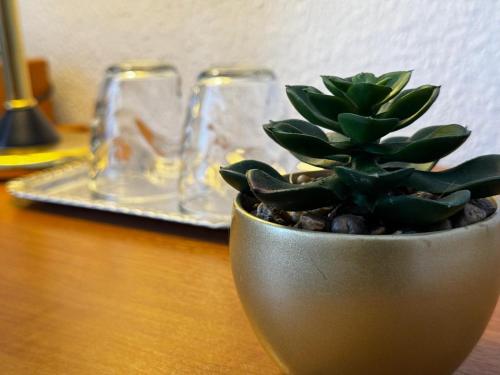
(84, 292)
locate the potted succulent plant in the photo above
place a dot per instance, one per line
(373, 264)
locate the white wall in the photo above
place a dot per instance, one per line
(454, 43)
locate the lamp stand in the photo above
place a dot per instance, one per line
(23, 123)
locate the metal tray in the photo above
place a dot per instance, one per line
(67, 185)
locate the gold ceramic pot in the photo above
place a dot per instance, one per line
(324, 303)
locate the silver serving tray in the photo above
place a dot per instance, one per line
(68, 185)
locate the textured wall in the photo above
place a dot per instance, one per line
(454, 43)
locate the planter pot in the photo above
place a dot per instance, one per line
(324, 303)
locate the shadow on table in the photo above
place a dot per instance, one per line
(129, 221)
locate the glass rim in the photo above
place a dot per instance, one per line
(141, 65)
(237, 71)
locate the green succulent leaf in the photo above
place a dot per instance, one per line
(323, 163)
(235, 174)
(426, 145)
(368, 96)
(296, 140)
(303, 127)
(293, 197)
(336, 85)
(363, 78)
(409, 105)
(363, 129)
(396, 139)
(329, 106)
(371, 183)
(396, 164)
(417, 166)
(338, 138)
(334, 160)
(481, 176)
(413, 210)
(396, 81)
(300, 100)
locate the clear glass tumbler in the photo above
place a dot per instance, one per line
(228, 107)
(137, 132)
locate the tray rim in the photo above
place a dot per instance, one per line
(17, 187)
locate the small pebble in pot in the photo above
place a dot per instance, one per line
(323, 211)
(281, 219)
(378, 230)
(302, 179)
(263, 212)
(487, 204)
(442, 225)
(312, 222)
(295, 216)
(469, 215)
(334, 212)
(424, 195)
(272, 214)
(351, 224)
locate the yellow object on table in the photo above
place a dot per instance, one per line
(74, 144)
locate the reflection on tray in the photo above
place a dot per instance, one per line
(68, 185)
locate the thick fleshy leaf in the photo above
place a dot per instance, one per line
(300, 100)
(363, 129)
(363, 78)
(368, 96)
(395, 80)
(481, 176)
(293, 197)
(417, 166)
(396, 139)
(303, 127)
(413, 210)
(235, 174)
(426, 145)
(337, 138)
(411, 104)
(336, 85)
(334, 161)
(293, 139)
(329, 106)
(370, 183)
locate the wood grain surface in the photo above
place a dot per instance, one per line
(85, 292)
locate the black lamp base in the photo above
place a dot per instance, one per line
(26, 127)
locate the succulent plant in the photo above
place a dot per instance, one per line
(384, 177)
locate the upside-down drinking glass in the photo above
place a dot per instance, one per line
(137, 132)
(228, 107)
